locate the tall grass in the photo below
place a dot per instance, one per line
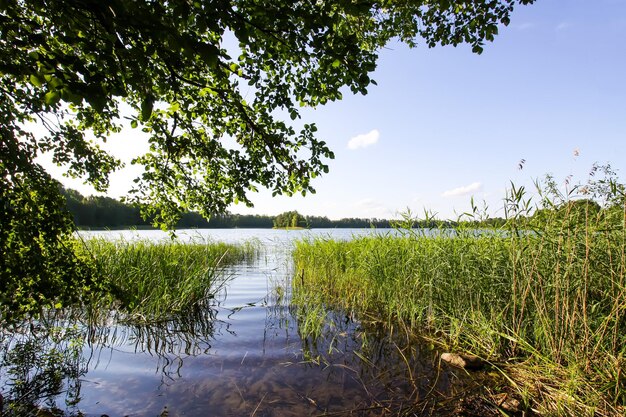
(548, 292)
(152, 281)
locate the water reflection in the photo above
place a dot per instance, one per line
(182, 366)
(41, 367)
(390, 373)
(168, 342)
(240, 354)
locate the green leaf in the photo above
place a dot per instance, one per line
(174, 107)
(97, 102)
(146, 108)
(209, 54)
(71, 96)
(55, 82)
(336, 63)
(35, 80)
(52, 97)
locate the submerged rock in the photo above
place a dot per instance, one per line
(468, 362)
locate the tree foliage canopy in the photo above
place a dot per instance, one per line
(290, 219)
(212, 82)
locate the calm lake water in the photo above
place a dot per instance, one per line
(243, 355)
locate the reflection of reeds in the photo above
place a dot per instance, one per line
(39, 364)
(44, 361)
(185, 334)
(548, 289)
(395, 372)
(151, 281)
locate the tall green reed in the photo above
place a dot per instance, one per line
(547, 289)
(152, 281)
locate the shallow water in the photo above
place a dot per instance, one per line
(242, 354)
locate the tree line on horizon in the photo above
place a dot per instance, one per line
(105, 212)
(100, 212)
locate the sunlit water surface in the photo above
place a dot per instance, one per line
(243, 356)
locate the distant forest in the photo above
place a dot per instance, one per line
(95, 212)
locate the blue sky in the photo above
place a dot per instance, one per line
(444, 124)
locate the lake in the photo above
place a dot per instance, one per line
(243, 355)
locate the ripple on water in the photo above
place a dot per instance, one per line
(245, 357)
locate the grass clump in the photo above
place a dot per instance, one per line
(544, 297)
(152, 281)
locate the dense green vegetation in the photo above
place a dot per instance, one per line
(293, 219)
(140, 280)
(97, 212)
(162, 289)
(72, 66)
(289, 219)
(543, 298)
(105, 212)
(81, 70)
(151, 281)
(38, 267)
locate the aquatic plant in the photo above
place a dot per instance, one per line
(152, 281)
(543, 298)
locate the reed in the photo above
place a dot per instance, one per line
(543, 298)
(151, 281)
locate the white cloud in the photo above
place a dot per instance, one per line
(364, 140)
(562, 26)
(525, 26)
(460, 191)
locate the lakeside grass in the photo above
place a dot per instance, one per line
(546, 305)
(160, 291)
(151, 281)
